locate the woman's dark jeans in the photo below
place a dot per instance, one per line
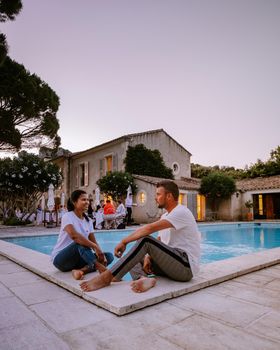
(76, 256)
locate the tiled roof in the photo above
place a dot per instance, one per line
(186, 184)
(259, 183)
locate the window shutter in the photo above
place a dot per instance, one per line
(115, 162)
(86, 174)
(76, 176)
(192, 203)
(101, 167)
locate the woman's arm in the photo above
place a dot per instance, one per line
(98, 251)
(78, 238)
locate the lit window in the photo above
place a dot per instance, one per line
(200, 208)
(141, 197)
(181, 198)
(109, 164)
(260, 204)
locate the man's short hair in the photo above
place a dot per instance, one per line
(169, 187)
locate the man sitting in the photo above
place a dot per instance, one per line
(120, 214)
(109, 215)
(175, 254)
(109, 208)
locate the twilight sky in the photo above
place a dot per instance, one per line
(206, 71)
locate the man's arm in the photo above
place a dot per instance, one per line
(141, 232)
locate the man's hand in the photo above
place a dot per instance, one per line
(147, 265)
(119, 249)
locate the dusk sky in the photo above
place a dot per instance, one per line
(206, 71)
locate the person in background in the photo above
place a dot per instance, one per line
(90, 209)
(128, 205)
(39, 215)
(120, 211)
(109, 208)
(98, 216)
(76, 249)
(18, 213)
(109, 215)
(120, 215)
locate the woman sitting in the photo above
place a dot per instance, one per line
(76, 248)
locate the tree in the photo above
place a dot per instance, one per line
(200, 171)
(140, 160)
(217, 186)
(8, 10)
(115, 184)
(28, 109)
(23, 180)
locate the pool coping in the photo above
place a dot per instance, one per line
(118, 297)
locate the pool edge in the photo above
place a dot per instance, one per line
(119, 299)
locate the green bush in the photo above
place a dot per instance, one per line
(115, 184)
(14, 221)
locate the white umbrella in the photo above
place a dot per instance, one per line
(50, 202)
(97, 196)
(62, 199)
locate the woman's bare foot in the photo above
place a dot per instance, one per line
(98, 282)
(143, 284)
(78, 274)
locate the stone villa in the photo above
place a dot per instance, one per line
(83, 169)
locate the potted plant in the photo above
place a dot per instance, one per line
(249, 205)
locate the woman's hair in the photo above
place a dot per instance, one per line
(75, 195)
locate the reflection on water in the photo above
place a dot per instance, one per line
(227, 241)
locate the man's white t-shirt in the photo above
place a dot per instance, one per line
(82, 226)
(128, 202)
(183, 235)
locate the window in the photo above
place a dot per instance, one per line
(141, 197)
(76, 176)
(101, 167)
(175, 168)
(200, 209)
(181, 198)
(260, 204)
(109, 164)
(83, 174)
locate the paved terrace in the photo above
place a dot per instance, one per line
(242, 313)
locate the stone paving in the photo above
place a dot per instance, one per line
(243, 313)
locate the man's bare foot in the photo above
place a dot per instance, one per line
(98, 282)
(78, 274)
(143, 284)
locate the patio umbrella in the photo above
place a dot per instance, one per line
(50, 203)
(62, 199)
(43, 202)
(97, 196)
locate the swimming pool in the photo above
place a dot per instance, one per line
(219, 241)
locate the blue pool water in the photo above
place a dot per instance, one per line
(219, 241)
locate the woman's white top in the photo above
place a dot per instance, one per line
(82, 226)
